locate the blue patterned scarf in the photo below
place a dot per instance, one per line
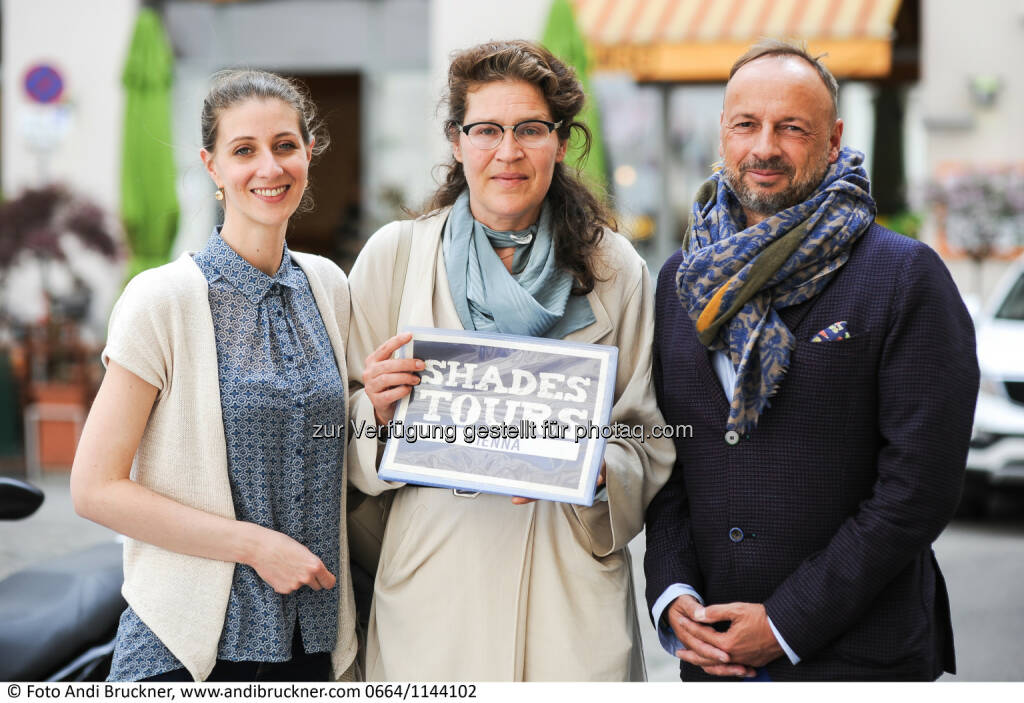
(732, 280)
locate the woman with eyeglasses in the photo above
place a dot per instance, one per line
(484, 587)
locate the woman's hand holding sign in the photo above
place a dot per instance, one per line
(388, 380)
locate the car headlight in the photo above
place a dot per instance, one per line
(990, 386)
(981, 439)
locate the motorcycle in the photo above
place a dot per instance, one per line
(58, 619)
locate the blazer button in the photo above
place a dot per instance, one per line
(732, 437)
(736, 534)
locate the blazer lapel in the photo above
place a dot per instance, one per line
(601, 326)
(424, 260)
(794, 314)
(706, 372)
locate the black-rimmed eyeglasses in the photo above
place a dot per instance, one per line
(529, 133)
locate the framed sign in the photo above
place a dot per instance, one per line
(499, 413)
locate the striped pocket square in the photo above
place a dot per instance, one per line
(836, 332)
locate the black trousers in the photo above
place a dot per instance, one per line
(301, 667)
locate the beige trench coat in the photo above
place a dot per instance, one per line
(480, 588)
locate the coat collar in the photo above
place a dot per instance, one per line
(426, 272)
(218, 260)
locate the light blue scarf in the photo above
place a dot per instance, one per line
(535, 301)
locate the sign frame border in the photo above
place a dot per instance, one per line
(604, 396)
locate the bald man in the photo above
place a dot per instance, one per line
(828, 369)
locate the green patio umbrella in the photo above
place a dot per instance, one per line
(562, 37)
(149, 202)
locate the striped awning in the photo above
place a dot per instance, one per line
(698, 40)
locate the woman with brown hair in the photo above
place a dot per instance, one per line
(482, 587)
(197, 445)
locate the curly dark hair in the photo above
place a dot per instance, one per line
(578, 217)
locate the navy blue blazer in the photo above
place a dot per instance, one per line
(850, 475)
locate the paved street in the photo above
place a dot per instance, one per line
(983, 563)
(984, 567)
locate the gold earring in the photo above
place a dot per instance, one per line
(219, 194)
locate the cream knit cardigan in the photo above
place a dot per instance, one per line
(161, 329)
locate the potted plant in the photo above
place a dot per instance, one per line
(981, 211)
(46, 357)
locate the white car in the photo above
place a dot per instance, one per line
(996, 457)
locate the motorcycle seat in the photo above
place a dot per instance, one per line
(53, 611)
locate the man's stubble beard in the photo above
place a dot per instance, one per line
(755, 200)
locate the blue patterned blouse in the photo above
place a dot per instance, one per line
(278, 378)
